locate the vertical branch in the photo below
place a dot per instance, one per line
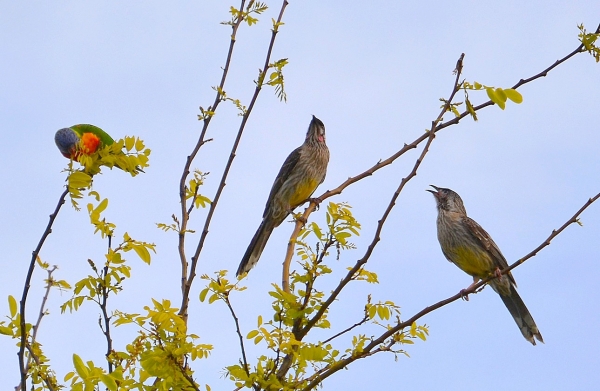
(239, 333)
(103, 305)
(34, 255)
(361, 262)
(301, 333)
(375, 342)
(186, 170)
(188, 283)
(36, 328)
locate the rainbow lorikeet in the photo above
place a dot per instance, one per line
(81, 139)
(84, 139)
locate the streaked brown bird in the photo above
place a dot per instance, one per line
(302, 172)
(471, 248)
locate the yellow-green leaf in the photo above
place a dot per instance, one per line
(109, 382)
(514, 95)
(372, 312)
(143, 253)
(500, 94)
(129, 143)
(203, 294)
(12, 304)
(6, 330)
(79, 179)
(491, 94)
(82, 371)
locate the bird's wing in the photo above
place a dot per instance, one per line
(486, 241)
(86, 128)
(284, 173)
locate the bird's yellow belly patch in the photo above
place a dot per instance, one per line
(473, 262)
(303, 191)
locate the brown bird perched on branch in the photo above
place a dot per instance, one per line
(471, 248)
(302, 172)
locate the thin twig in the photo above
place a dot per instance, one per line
(188, 284)
(188, 163)
(299, 334)
(41, 314)
(361, 262)
(106, 318)
(239, 333)
(34, 255)
(402, 325)
(355, 325)
(454, 121)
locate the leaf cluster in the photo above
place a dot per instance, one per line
(132, 161)
(237, 16)
(588, 40)
(293, 362)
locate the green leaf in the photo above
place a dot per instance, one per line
(6, 330)
(500, 94)
(12, 304)
(372, 312)
(470, 109)
(491, 94)
(143, 253)
(514, 95)
(129, 143)
(203, 294)
(109, 382)
(79, 179)
(317, 230)
(82, 371)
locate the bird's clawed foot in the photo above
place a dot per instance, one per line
(463, 292)
(317, 201)
(464, 295)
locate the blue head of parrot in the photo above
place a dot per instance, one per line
(65, 140)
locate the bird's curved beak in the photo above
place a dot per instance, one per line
(436, 192)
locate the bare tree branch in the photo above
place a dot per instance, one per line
(34, 255)
(41, 314)
(454, 121)
(188, 283)
(301, 333)
(188, 163)
(402, 325)
(239, 333)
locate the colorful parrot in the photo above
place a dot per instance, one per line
(85, 139)
(81, 139)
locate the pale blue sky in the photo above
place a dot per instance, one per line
(373, 73)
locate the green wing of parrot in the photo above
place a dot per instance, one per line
(80, 129)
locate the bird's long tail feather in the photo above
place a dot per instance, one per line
(256, 246)
(521, 315)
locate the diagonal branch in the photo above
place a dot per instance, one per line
(361, 262)
(402, 325)
(36, 328)
(300, 333)
(188, 283)
(454, 121)
(188, 163)
(34, 255)
(239, 333)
